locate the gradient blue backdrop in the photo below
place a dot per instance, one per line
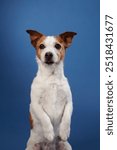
(18, 66)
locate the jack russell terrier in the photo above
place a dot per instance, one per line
(51, 98)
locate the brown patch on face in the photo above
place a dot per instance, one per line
(38, 50)
(61, 52)
(31, 121)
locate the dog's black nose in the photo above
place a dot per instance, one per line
(48, 55)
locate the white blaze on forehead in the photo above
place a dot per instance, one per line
(49, 43)
(50, 40)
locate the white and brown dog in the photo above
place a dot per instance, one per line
(51, 99)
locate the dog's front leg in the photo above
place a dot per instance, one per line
(42, 116)
(66, 121)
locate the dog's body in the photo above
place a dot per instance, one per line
(51, 99)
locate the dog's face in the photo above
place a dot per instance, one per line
(50, 49)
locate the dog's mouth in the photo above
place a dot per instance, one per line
(49, 62)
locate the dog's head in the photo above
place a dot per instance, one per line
(51, 49)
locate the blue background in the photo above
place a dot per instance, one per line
(18, 66)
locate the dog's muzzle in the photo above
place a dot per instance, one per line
(49, 58)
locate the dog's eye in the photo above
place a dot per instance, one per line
(41, 46)
(57, 46)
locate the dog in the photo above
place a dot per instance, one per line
(51, 99)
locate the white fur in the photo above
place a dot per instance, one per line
(49, 43)
(51, 100)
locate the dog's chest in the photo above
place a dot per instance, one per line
(53, 100)
(53, 96)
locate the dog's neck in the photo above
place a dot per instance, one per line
(45, 70)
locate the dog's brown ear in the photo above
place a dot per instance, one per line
(67, 38)
(34, 36)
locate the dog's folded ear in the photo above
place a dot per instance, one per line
(34, 36)
(67, 38)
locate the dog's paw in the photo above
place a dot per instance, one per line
(64, 133)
